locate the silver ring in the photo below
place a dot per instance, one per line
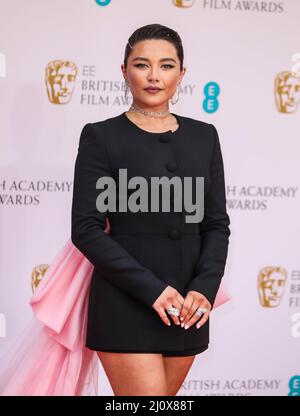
(173, 311)
(201, 311)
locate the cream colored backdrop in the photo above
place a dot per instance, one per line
(238, 48)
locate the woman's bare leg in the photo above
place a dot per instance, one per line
(177, 369)
(135, 374)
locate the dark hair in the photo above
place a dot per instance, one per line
(155, 31)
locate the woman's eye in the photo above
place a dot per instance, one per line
(138, 65)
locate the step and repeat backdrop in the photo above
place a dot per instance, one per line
(60, 67)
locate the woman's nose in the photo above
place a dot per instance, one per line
(152, 74)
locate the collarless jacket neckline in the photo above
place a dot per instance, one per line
(169, 132)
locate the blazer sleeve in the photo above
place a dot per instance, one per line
(214, 231)
(87, 230)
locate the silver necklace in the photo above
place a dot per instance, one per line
(157, 114)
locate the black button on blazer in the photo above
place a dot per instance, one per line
(147, 251)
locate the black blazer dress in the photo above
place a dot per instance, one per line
(147, 251)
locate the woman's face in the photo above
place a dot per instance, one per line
(153, 62)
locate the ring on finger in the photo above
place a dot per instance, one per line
(201, 311)
(173, 311)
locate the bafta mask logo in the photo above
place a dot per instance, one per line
(37, 275)
(270, 286)
(287, 91)
(183, 3)
(60, 77)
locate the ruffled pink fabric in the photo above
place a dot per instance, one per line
(49, 358)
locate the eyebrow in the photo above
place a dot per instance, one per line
(140, 58)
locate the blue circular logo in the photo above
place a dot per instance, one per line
(103, 2)
(211, 91)
(294, 385)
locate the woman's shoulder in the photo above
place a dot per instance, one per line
(193, 123)
(96, 130)
(106, 122)
(115, 121)
(109, 126)
(198, 130)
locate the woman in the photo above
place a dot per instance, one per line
(156, 275)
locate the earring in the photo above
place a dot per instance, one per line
(177, 91)
(126, 91)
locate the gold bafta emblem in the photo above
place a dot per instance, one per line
(183, 3)
(37, 275)
(60, 77)
(287, 91)
(270, 285)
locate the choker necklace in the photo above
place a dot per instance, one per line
(157, 114)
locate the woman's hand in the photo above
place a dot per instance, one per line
(192, 302)
(168, 298)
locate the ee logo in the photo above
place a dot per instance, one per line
(211, 93)
(103, 2)
(294, 385)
